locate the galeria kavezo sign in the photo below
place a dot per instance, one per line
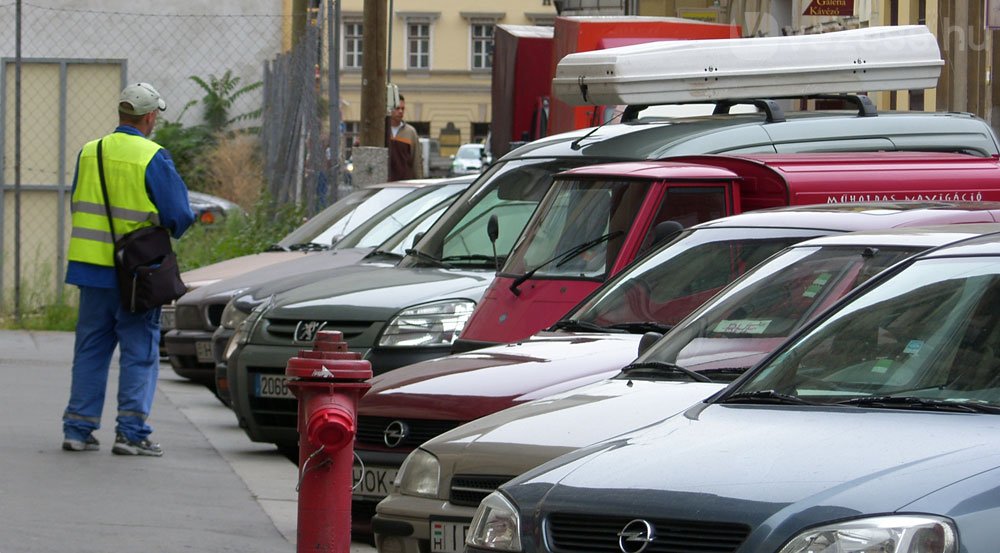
(830, 7)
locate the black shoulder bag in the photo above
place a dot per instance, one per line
(145, 263)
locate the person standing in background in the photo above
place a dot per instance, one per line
(406, 159)
(143, 189)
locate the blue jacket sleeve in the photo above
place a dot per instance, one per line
(169, 193)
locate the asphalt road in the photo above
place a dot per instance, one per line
(213, 490)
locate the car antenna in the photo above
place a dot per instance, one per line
(575, 145)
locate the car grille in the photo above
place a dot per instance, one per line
(371, 431)
(215, 314)
(284, 329)
(470, 489)
(598, 534)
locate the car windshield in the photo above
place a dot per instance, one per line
(668, 285)
(468, 153)
(346, 214)
(748, 320)
(582, 224)
(511, 191)
(380, 227)
(926, 338)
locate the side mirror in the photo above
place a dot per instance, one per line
(416, 238)
(336, 238)
(493, 227)
(647, 340)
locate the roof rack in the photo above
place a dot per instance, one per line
(700, 71)
(769, 106)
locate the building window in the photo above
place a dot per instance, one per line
(482, 46)
(351, 131)
(479, 132)
(418, 45)
(352, 44)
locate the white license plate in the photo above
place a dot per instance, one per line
(204, 352)
(272, 385)
(167, 321)
(448, 536)
(375, 482)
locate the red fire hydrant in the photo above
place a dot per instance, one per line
(327, 380)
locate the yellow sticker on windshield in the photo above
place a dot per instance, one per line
(742, 326)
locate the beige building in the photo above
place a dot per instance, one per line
(440, 57)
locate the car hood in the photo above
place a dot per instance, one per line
(287, 268)
(376, 292)
(541, 430)
(776, 469)
(494, 378)
(210, 274)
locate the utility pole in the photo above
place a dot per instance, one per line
(373, 74)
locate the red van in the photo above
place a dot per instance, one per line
(595, 220)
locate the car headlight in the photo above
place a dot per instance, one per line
(419, 474)
(496, 525)
(232, 316)
(245, 329)
(431, 324)
(888, 534)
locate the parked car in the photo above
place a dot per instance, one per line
(601, 335)
(400, 315)
(209, 209)
(366, 220)
(869, 430)
(442, 482)
(469, 160)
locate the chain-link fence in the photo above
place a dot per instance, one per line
(224, 70)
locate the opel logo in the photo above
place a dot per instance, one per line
(395, 433)
(635, 537)
(306, 331)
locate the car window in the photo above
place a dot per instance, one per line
(597, 214)
(931, 332)
(379, 228)
(670, 283)
(322, 220)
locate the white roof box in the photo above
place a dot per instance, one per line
(861, 60)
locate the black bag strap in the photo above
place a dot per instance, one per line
(104, 190)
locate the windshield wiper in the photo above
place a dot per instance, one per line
(424, 256)
(578, 325)
(663, 366)
(913, 402)
(767, 396)
(475, 257)
(385, 253)
(276, 248)
(308, 247)
(642, 327)
(564, 257)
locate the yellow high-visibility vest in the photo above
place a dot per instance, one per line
(126, 157)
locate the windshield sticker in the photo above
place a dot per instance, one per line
(817, 286)
(914, 346)
(882, 366)
(742, 326)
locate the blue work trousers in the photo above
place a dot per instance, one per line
(103, 324)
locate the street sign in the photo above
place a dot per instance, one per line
(842, 8)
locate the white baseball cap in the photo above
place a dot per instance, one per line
(140, 99)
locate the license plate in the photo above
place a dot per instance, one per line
(204, 352)
(375, 482)
(167, 319)
(448, 536)
(272, 385)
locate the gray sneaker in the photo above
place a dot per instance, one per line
(124, 446)
(88, 444)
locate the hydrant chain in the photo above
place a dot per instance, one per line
(362, 473)
(305, 465)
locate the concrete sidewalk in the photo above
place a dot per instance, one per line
(213, 490)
